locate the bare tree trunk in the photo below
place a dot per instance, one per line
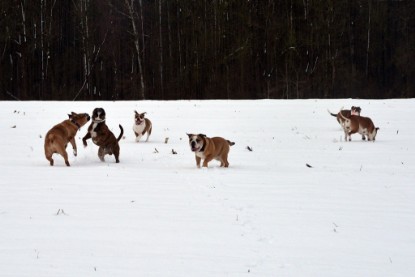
(42, 47)
(130, 8)
(161, 53)
(368, 38)
(85, 41)
(23, 21)
(49, 39)
(140, 2)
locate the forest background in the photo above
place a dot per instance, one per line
(206, 49)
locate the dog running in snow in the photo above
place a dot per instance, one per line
(142, 125)
(209, 148)
(102, 136)
(359, 124)
(63, 133)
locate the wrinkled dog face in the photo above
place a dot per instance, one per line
(139, 117)
(196, 142)
(98, 115)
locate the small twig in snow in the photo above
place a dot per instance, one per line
(61, 211)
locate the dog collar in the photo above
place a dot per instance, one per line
(98, 121)
(76, 123)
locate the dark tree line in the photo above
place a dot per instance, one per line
(206, 49)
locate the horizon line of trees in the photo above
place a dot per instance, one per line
(206, 49)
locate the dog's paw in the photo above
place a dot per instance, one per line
(75, 152)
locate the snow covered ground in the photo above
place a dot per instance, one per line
(352, 213)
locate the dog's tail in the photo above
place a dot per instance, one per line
(122, 132)
(333, 114)
(230, 142)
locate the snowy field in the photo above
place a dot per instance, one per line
(351, 213)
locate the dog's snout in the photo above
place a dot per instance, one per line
(193, 144)
(87, 116)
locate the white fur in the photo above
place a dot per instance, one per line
(200, 155)
(139, 130)
(93, 133)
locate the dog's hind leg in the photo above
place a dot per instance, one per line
(49, 157)
(101, 153)
(64, 154)
(149, 132)
(224, 160)
(116, 154)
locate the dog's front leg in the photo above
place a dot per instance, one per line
(87, 136)
(72, 141)
(207, 160)
(198, 159)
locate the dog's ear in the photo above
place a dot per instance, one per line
(202, 135)
(136, 112)
(189, 135)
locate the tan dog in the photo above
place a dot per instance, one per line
(346, 113)
(102, 136)
(359, 124)
(141, 126)
(58, 137)
(210, 148)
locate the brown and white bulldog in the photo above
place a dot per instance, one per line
(58, 137)
(141, 126)
(359, 124)
(210, 148)
(102, 136)
(346, 113)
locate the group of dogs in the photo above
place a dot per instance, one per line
(57, 138)
(352, 122)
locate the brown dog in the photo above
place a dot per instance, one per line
(142, 125)
(102, 136)
(346, 113)
(58, 137)
(210, 148)
(359, 124)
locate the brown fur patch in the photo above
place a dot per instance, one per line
(63, 133)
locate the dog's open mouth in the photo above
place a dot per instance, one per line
(195, 149)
